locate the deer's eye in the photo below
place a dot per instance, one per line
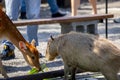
(32, 57)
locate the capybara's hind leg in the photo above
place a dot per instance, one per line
(110, 74)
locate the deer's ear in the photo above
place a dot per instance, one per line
(33, 42)
(22, 46)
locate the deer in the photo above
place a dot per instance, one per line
(2, 70)
(9, 31)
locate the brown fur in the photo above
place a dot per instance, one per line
(87, 52)
(9, 31)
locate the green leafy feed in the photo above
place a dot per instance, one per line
(44, 68)
(33, 71)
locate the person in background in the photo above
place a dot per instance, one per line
(32, 12)
(94, 7)
(7, 51)
(23, 10)
(117, 20)
(76, 3)
(53, 8)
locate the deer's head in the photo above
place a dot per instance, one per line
(30, 53)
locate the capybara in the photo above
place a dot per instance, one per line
(87, 52)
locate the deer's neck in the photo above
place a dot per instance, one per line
(11, 32)
(15, 38)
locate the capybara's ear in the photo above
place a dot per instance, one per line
(22, 46)
(51, 37)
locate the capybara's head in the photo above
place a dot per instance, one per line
(51, 51)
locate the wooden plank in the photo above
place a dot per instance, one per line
(63, 19)
(41, 76)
